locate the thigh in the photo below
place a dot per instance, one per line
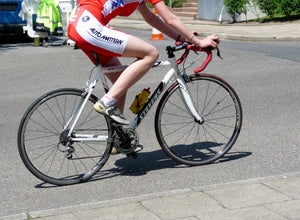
(105, 61)
(90, 34)
(138, 48)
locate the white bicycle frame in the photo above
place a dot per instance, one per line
(174, 72)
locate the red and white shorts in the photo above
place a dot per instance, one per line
(91, 36)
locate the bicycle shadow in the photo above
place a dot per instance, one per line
(146, 162)
(154, 160)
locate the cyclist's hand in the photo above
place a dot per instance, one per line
(210, 41)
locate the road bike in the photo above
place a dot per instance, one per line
(62, 140)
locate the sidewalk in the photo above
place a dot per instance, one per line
(277, 31)
(276, 197)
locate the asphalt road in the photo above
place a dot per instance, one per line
(265, 75)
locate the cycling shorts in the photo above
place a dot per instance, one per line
(91, 36)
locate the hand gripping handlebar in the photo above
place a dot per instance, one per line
(189, 47)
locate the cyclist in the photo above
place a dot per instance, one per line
(88, 28)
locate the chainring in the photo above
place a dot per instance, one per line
(133, 136)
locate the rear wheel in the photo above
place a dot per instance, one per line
(43, 141)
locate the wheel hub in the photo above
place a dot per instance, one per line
(64, 145)
(63, 138)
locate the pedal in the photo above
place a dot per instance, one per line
(139, 148)
(132, 154)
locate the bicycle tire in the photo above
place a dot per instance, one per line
(189, 142)
(40, 135)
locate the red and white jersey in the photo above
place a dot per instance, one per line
(108, 9)
(88, 27)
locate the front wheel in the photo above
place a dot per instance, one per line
(192, 143)
(45, 147)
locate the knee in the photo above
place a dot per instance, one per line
(153, 52)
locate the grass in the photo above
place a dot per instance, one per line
(276, 18)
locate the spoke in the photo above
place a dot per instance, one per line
(217, 131)
(211, 98)
(178, 107)
(80, 160)
(61, 166)
(86, 120)
(88, 155)
(61, 112)
(41, 137)
(51, 151)
(219, 110)
(42, 126)
(54, 115)
(40, 131)
(51, 164)
(179, 128)
(42, 147)
(211, 121)
(179, 137)
(207, 132)
(189, 133)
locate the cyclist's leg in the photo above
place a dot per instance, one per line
(114, 61)
(107, 61)
(94, 36)
(146, 53)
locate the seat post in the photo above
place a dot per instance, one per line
(96, 58)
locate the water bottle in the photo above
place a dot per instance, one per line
(140, 101)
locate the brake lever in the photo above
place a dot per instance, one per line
(219, 53)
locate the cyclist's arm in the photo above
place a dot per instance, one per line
(156, 22)
(172, 22)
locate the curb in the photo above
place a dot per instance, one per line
(264, 32)
(147, 197)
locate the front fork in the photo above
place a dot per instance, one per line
(187, 99)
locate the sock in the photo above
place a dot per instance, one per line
(108, 101)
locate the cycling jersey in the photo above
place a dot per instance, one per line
(108, 9)
(88, 26)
